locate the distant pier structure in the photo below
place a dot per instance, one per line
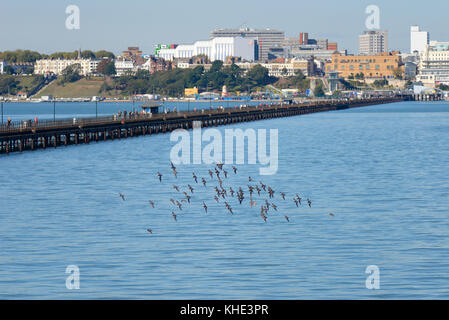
(31, 135)
(428, 97)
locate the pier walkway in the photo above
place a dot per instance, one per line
(27, 135)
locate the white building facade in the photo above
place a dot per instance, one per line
(2, 66)
(123, 66)
(373, 42)
(418, 39)
(434, 64)
(57, 66)
(281, 70)
(215, 49)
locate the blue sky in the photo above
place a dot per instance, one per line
(114, 25)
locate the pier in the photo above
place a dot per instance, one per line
(27, 135)
(428, 97)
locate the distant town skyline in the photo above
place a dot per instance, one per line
(114, 25)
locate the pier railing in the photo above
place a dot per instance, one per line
(26, 125)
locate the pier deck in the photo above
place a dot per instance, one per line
(18, 137)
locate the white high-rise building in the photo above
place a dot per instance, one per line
(373, 42)
(215, 49)
(418, 39)
(266, 39)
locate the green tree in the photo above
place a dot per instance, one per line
(104, 54)
(284, 72)
(71, 73)
(319, 90)
(87, 54)
(259, 75)
(443, 87)
(8, 84)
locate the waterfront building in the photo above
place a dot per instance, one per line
(123, 66)
(155, 64)
(379, 66)
(323, 55)
(285, 68)
(215, 49)
(373, 42)
(56, 66)
(305, 47)
(266, 39)
(434, 64)
(418, 39)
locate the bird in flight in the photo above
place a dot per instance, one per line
(296, 202)
(203, 181)
(122, 196)
(282, 195)
(228, 207)
(286, 218)
(151, 203)
(160, 176)
(309, 203)
(176, 188)
(195, 178)
(204, 206)
(174, 216)
(150, 231)
(174, 169)
(220, 166)
(235, 169)
(331, 214)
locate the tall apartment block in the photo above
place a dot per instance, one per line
(266, 38)
(373, 42)
(418, 39)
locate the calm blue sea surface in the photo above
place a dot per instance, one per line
(383, 171)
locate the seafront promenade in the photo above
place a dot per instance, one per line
(28, 135)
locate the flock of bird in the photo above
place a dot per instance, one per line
(223, 194)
